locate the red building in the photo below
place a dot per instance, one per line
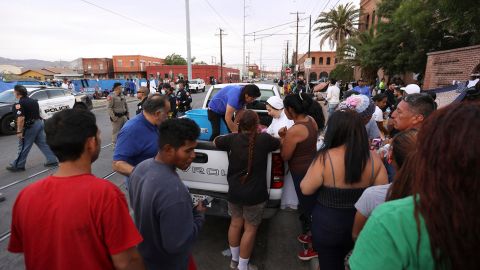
(323, 62)
(98, 68)
(134, 66)
(205, 72)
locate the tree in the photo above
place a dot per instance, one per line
(337, 25)
(342, 72)
(175, 59)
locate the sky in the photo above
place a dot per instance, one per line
(69, 29)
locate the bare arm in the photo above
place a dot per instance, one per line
(228, 119)
(122, 167)
(382, 128)
(358, 224)
(20, 125)
(313, 179)
(129, 259)
(381, 176)
(289, 141)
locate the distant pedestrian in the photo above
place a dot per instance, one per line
(117, 108)
(162, 205)
(126, 88)
(72, 219)
(184, 100)
(138, 138)
(142, 95)
(64, 84)
(29, 130)
(153, 85)
(172, 98)
(247, 184)
(362, 88)
(333, 96)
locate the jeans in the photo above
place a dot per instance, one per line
(215, 119)
(331, 108)
(305, 202)
(332, 235)
(33, 134)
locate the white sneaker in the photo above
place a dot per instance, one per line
(233, 265)
(251, 267)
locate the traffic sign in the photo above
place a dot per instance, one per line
(308, 63)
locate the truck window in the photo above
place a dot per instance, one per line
(55, 93)
(40, 95)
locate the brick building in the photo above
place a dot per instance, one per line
(134, 66)
(98, 68)
(368, 17)
(323, 62)
(205, 72)
(443, 67)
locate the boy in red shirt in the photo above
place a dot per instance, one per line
(72, 219)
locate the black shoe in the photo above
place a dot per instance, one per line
(14, 169)
(53, 164)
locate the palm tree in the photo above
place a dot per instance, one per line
(338, 24)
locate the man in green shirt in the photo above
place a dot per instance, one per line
(389, 240)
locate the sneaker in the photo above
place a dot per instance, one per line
(233, 265)
(251, 267)
(15, 169)
(307, 255)
(51, 164)
(304, 239)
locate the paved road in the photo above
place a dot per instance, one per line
(276, 245)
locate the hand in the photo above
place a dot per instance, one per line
(282, 132)
(20, 135)
(200, 208)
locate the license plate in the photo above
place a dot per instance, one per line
(197, 198)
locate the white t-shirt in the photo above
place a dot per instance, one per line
(333, 94)
(153, 85)
(378, 114)
(278, 123)
(64, 85)
(371, 198)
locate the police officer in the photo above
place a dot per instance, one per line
(29, 130)
(117, 110)
(169, 92)
(142, 95)
(184, 99)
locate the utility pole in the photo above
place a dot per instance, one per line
(214, 60)
(248, 65)
(296, 46)
(189, 55)
(287, 51)
(309, 34)
(221, 53)
(261, 47)
(243, 67)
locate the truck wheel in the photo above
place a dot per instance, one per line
(6, 128)
(203, 90)
(80, 106)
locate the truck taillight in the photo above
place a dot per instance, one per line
(278, 171)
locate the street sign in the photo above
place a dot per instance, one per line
(308, 63)
(288, 70)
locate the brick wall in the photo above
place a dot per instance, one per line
(443, 67)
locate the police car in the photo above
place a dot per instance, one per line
(50, 101)
(196, 85)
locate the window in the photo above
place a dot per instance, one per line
(55, 93)
(336, 60)
(320, 61)
(132, 63)
(120, 63)
(367, 21)
(328, 60)
(89, 66)
(7, 97)
(313, 60)
(100, 66)
(149, 63)
(166, 75)
(40, 95)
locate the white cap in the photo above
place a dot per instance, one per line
(275, 102)
(411, 89)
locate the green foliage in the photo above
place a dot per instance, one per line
(342, 72)
(175, 59)
(337, 24)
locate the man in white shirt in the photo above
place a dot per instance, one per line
(65, 84)
(333, 96)
(153, 86)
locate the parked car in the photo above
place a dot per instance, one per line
(50, 101)
(196, 85)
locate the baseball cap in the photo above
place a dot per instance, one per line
(411, 89)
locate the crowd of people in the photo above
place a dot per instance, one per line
(374, 189)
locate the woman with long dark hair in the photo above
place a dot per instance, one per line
(299, 145)
(247, 184)
(438, 227)
(343, 168)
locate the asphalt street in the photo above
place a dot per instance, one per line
(276, 245)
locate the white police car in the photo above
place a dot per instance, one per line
(196, 85)
(50, 101)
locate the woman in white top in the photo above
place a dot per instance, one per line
(280, 120)
(380, 103)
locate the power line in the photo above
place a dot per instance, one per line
(221, 17)
(276, 26)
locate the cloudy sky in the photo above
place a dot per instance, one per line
(66, 30)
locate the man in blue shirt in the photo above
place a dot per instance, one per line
(226, 102)
(362, 88)
(138, 138)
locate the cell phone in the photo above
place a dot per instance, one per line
(207, 202)
(376, 143)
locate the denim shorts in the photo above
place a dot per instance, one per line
(250, 213)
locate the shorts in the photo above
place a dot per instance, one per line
(250, 213)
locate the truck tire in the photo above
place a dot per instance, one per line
(80, 106)
(6, 129)
(203, 90)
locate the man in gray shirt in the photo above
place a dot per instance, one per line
(163, 209)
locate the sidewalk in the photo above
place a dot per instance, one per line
(98, 103)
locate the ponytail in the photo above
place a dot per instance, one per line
(302, 103)
(251, 148)
(248, 122)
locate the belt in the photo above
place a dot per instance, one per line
(120, 114)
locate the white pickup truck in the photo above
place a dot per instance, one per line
(207, 176)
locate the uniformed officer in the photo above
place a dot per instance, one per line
(184, 99)
(29, 130)
(142, 95)
(117, 110)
